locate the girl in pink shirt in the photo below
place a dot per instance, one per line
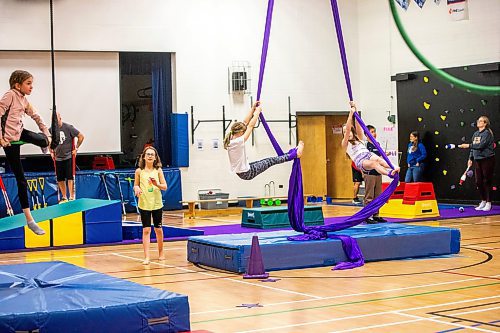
(13, 106)
(364, 159)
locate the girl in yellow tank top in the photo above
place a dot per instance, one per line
(148, 183)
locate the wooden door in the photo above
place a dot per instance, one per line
(311, 130)
(338, 165)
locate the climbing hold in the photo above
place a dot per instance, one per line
(427, 105)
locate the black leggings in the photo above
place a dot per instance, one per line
(13, 155)
(258, 167)
(484, 177)
(146, 217)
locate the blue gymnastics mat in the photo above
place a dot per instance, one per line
(60, 297)
(377, 242)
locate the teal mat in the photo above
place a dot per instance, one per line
(52, 212)
(277, 217)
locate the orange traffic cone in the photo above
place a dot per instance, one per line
(255, 268)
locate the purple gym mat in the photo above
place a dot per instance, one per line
(445, 215)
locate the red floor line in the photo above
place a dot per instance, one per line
(472, 275)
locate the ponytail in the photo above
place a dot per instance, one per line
(237, 127)
(227, 139)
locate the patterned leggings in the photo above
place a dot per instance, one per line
(258, 167)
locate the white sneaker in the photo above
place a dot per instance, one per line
(487, 207)
(481, 205)
(35, 228)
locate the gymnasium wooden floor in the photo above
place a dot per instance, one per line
(459, 293)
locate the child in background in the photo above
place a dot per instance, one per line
(357, 151)
(357, 179)
(13, 106)
(148, 183)
(65, 157)
(235, 140)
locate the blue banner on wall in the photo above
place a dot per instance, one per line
(89, 184)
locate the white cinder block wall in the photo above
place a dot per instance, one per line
(303, 60)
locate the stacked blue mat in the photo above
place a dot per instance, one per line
(59, 297)
(377, 242)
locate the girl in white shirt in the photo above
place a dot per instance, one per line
(357, 151)
(235, 140)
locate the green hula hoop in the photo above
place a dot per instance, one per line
(470, 87)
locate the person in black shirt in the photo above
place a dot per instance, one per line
(482, 152)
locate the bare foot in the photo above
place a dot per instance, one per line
(393, 172)
(300, 149)
(146, 261)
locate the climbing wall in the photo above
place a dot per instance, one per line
(446, 115)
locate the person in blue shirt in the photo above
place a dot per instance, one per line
(415, 159)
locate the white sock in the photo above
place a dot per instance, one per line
(35, 228)
(481, 205)
(487, 207)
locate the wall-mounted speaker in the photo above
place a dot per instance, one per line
(239, 81)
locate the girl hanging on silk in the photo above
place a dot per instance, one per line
(357, 151)
(235, 140)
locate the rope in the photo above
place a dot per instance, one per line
(54, 123)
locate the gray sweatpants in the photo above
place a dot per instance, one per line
(258, 167)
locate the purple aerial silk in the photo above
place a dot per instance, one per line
(295, 190)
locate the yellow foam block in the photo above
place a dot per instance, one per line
(68, 230)
(396, 208)
(31, 240)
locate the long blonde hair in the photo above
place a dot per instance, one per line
(487, 123)
(237, 127)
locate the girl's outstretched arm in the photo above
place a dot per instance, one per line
(250, 113)
(252, 122)
(359, 130)
(348, 126)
